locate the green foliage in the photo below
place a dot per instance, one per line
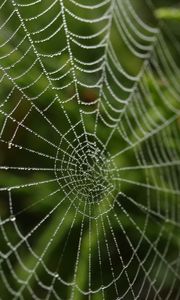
(168, 13)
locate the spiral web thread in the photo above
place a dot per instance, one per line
(90, 160)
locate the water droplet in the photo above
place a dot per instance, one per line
(9, 244)
(12, 218)
(9, 145)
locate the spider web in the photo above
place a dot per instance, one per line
(90, 156)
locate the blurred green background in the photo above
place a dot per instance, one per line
(154, 241)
